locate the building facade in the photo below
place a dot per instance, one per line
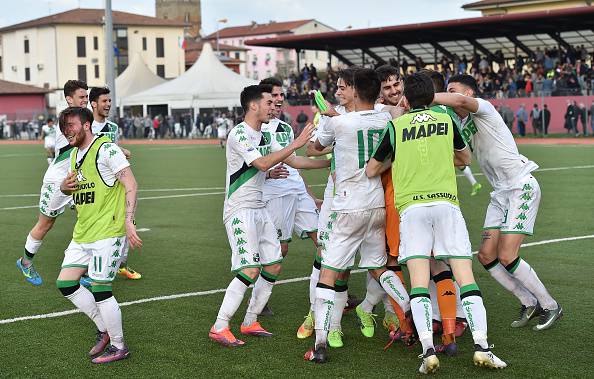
(48, 51)
(262, 62)
(186, 11)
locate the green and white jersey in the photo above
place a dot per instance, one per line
(243, 182)
(494, 147)
(355, 135)
(99, 197)
(106, 128)
(281, 135)
(49, 132)
(421, 144)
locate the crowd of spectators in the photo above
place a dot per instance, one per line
(548, 72)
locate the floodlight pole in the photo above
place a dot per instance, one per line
(109, 67)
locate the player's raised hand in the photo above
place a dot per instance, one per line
(305, 135)
(126, 152)
(133, 238)
(69, 184)
(278, 172)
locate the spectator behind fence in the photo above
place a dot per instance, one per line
(301, 121)
(522, 119)
(535, 120)
(583, 116)
(546, 119)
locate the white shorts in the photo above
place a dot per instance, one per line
(293, 214)
(102, 258)
(52, 202)
(253, 240)
(438, 228)
(222, 133)
(362, 231)
(514, 211)
(49, 143)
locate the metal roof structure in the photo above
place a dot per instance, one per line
(518, 33)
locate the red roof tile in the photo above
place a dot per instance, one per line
(12, 88)
(82, 16)
(258, 29)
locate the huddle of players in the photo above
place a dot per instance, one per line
(418, 150)
(92, 173)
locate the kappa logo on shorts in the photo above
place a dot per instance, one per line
(526, 196)
(237, 231)
(521, 216)
(236, 221)
(519, 226)
(524, 207)
(241, 241)
(241, 250)
(421, 118)
(527, 187)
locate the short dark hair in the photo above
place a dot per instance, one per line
(348, 75)
(367, 84)
(384, 72)
(418, 89)
(272, 82)
(95, 92)
(71, 86)
(466, 80)
(253, 93)
(437, 79)
(83, 114)
(50, 120)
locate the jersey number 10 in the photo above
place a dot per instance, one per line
(367, 146)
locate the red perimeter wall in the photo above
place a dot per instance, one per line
(22, 106)
(557, 105)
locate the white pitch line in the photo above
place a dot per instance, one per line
(311, 185)
(221, 290)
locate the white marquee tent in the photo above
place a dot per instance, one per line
(207, 84)
(136, 78)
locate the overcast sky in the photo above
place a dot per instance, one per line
(335, 13)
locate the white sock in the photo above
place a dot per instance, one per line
(434, 304)
(476, 315)
(395, 289)
(468, 174)
(323, 313)
(420, 306)
(373, 296)
(527, 276)
(340, 300)
(112, 316)
(32, 245)
(313, 282)
(83, 299)
(260, 295)
(233, 298)
(513, 285)
(459, 310)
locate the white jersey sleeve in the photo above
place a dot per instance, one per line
(110, 161)
(326, 135)
(243, 146)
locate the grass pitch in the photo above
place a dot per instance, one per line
(186, 250)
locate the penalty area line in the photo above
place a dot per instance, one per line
(222, 290)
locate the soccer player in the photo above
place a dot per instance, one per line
(421, 144)
(104, 191)
(100, 100)
(357, 220)
(222, 130)
(256, 254)
(290, 203)
(48, 134)
(76, 95)
(511, 214)
(346, 103)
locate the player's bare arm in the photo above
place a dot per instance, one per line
(278, 172)
(462, 157)
(457, 101)
(299, 162)
(126, 177)
(266, 162)
(69, 184)
(313, 152)
(376, 168)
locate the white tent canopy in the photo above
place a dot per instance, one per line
(137, 77)
(207, 84)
